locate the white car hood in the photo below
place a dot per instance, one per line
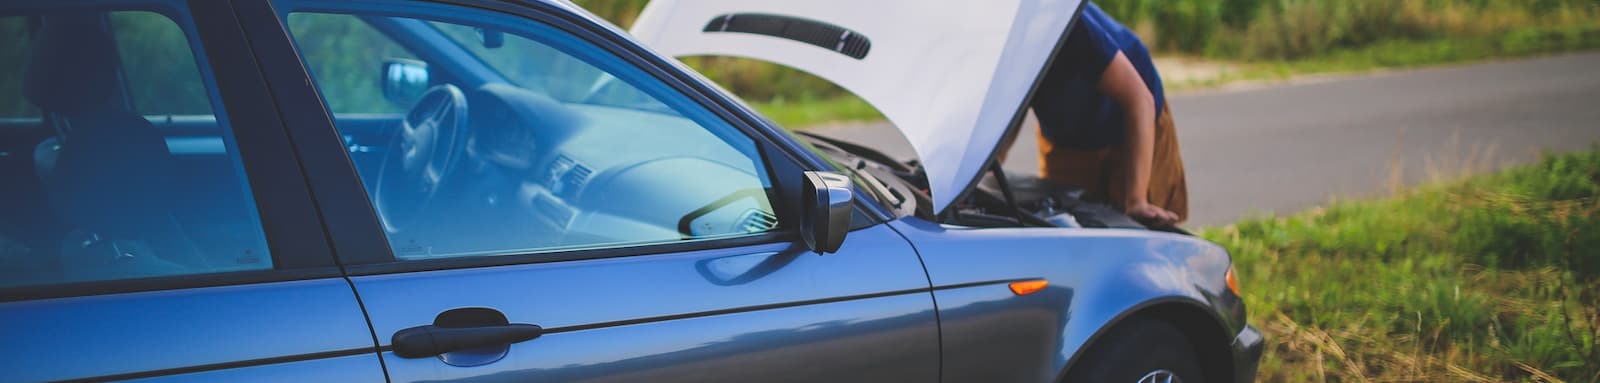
(951, 75)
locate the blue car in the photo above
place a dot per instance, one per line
(474, 190)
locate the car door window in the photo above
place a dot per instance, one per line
(92, 190)
(13, 43)
(521, 139)
(347, 67)
(558, 75)
(160, 69)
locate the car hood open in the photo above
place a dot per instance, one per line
(953, 76)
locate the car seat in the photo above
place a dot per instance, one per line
(107, 171)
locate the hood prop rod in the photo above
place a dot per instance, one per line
(1005, 190)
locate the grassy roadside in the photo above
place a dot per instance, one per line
(1381, 55)
(1388, 55)
(807, 113)
(1493, 278)
(1405, 54)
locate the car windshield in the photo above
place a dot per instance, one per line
(529, 64)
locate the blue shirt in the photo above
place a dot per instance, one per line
(1072, 111)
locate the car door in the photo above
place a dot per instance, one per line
(543, 185)
(154, 224)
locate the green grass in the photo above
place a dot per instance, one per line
(1410, 53)
(1494, 278)
(1401, 54)
(1382, 55)
(809, 113)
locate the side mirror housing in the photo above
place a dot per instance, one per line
(404, 81)
(829, 200)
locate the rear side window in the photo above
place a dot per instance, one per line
(13, 43)
(160, 67)
(93, 184)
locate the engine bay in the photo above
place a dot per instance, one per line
(999, 199)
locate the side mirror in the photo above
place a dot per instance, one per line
(404, 81)
(491, 38)
(829, 201)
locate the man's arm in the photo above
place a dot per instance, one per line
(1122, 83)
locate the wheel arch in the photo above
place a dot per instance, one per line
(1199, 324)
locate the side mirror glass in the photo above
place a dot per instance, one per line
(491, 38)
(829, 199)
(404, 81)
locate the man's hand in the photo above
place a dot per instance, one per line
(1121, 82)
(1151, 215)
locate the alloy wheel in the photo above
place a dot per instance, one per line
(1160, 376)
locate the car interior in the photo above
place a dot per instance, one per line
(481, 163)
(94, 190)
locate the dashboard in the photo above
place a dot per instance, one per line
(542, 174)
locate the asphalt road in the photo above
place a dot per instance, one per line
(1287, 148)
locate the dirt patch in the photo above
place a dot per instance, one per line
(1190, 70)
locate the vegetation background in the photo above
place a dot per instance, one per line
(1487, 279)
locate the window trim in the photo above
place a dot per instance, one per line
(778, 161)
(295, 242)
(348, 219)
(165, 283)
(568, 255)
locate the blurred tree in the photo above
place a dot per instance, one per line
(160, 68)
(13, 48)
(346, 68)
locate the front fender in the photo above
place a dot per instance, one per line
(1096, 277)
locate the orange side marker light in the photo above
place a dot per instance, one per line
(1029, 286)
(1233, 282)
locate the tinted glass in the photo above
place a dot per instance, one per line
(127, 168)
(347, 67)
(13, 43)
(160, 68)
(560, 76)
(529, 140)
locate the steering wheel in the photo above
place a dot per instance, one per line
(423, 154)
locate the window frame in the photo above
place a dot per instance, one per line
(782, 164)
(289, 222)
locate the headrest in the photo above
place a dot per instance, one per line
(71, 64)
(114, 174)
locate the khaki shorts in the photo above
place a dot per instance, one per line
(1102, 172)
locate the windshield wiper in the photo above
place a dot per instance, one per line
(861, 151)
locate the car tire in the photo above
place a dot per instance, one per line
(1139, 350)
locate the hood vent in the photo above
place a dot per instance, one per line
(826, 36)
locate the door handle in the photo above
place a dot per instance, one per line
(432, 340)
